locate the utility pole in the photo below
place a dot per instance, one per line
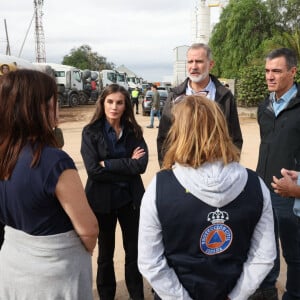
(7, 40)
(39, 32)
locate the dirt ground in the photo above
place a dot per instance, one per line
(72, 121)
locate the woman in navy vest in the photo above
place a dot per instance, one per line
(206, 225)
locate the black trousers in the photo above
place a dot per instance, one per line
(128, 218)
(135, 101)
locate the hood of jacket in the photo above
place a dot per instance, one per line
(213, 183)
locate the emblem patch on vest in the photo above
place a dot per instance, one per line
(217, 237)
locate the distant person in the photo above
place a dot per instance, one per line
(155, 106)
(279, 123)
(93, 85)
(4, 69)
(59, 136)
(115, 155)
(199, 64)
(58, 133)
(94, 91)
(50, 229)
(135, 99)
(206, 227)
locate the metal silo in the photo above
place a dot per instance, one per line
(202, 23)
(180, 71)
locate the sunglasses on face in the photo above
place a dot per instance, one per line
(181, 97)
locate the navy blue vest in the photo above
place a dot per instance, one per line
(206, 246)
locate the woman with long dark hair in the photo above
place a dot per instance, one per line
(50, 229)
(115, 155)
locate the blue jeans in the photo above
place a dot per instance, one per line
(287, 228)
(154, 112)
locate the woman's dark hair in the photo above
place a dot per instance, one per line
(26, 116)
(128, 115)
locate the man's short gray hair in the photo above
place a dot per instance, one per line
(196, 46)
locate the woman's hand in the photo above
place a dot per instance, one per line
(138, 153)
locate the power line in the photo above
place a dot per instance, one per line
(26, 35)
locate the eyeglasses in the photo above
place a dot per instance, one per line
(181, 97)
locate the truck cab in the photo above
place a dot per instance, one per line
(108, 77)
(69, 83)
(122, 79)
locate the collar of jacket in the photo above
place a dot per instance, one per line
(99, 124)
(293, 102)
(221, 91)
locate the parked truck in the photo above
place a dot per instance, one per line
(92, 86)
(69, 83)
(14, 63)
(122, 79)
(108, 77)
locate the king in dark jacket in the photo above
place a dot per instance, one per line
(199, 64)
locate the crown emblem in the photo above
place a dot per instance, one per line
(217, 216)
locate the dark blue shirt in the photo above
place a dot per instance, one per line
(116, 148)
(28, 201)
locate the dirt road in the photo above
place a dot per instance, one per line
(72, 122)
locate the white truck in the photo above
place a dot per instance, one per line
(108, 77)
(132, 82)
(122, 79)
(14, 63)
(68, 78)
(69, 83)
(135, 81)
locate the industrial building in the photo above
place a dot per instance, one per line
(204, 17)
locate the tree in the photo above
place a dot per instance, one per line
(286, 19)
(248, 30)
(251, 88)
(285, 14)
(243, 25)
(293, 41)
(84, 58)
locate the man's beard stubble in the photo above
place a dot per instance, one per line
(199, 78)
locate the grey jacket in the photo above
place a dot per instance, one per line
(155, 100)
